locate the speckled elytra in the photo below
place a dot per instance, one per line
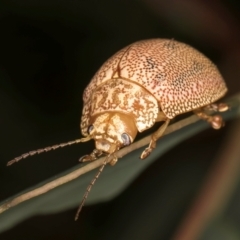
(146, 82)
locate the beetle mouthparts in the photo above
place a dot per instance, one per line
(106, 146)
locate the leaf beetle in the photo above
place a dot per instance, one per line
(146, 82)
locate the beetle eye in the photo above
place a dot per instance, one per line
(126, 139)
(90, 128)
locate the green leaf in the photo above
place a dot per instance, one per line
(111, 183)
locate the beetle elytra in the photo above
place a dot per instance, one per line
(146, 82)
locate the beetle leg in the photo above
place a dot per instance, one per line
(155, 137)
(95, 155)
(216, 120)
(91, 157)
(161, 117)
(113, 161)
(217, 107)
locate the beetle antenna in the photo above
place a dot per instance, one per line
(47, 149)
(90, 187)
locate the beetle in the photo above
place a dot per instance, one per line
(146, 82)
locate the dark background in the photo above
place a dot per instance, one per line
(49, 50)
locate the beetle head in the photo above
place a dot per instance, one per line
(112, 131)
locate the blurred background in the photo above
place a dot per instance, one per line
(49, 51)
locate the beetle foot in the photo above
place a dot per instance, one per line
(216, 121)
(85, 158)
(146, 153)
(91, 157)
(113, 161)
(148, 150)
(217, 107)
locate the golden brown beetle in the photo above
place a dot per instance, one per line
(144, 83)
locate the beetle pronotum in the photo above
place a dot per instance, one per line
(146, 82)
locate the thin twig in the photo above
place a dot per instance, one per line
(92, 165)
